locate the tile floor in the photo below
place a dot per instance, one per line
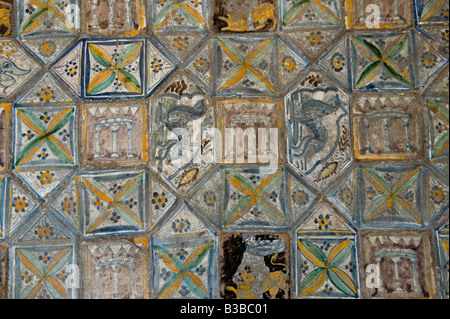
(98, 99)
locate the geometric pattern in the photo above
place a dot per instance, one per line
(117, 179)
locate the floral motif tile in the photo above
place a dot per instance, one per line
(212, 149)
(311, 25)
(184, 257)
(326, 259)
(113, 202)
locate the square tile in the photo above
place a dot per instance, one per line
(255, 266)
(403, 268)
(123, 17)
(113, 202)
(115, 133)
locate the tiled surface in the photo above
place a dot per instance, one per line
(92, 204)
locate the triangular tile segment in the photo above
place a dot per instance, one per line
(438, 197)
(201, 66)
(160, 66)
(181, 46)
(206, 199)
(21, 208)
(441, 85)
(302, 197)
(65, 205)
(323, 219)
(336, 63)
(344, 195)
(290, 64)
(430, 60)
(313, 42)
(162, 200)
(68, 67)
(43, 182)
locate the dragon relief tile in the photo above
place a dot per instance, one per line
(390, 196)
(181, 113)
(317, 118)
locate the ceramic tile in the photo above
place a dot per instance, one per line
(198, 149)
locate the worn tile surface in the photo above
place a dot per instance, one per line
(127, 168)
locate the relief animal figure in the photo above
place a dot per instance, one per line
(7, 71)
(5, 18)
(178, 116)
(310, 114)
(245, 289)
(247, 20)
